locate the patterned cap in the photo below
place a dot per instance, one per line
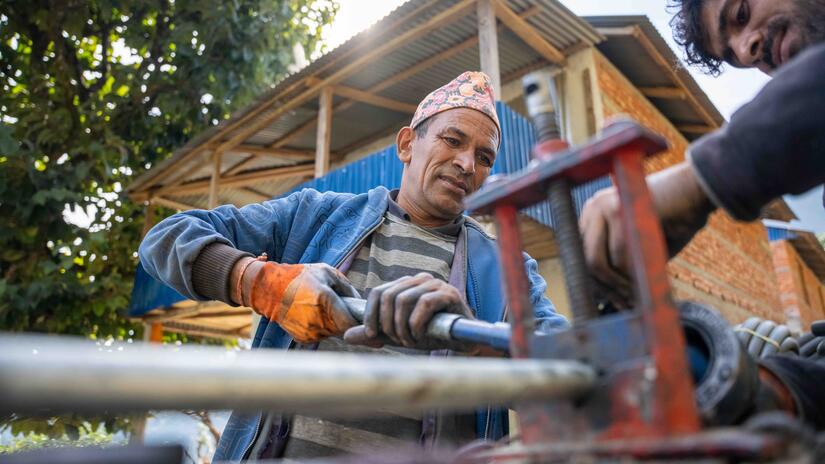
(472, 89)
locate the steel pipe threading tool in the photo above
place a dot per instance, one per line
(542, 103)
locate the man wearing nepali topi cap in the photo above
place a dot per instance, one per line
(409, 252)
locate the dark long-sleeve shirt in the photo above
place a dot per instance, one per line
(774, 145)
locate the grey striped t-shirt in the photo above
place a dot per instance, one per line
(397, 248)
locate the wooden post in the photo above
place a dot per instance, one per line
(488, 43)
(324, 137)
(149, 218)
(216, 177)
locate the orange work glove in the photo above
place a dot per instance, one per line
(304, 299)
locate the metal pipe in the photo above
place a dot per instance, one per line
(61, 374)
(452, 328)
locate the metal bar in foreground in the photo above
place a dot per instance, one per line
(61, 374)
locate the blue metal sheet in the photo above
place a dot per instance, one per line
(384, 168)
(148, 294)
(775, 234)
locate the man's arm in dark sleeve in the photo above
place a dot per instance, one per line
(774, 145)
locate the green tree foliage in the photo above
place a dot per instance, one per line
(54, 433)
(94, 92)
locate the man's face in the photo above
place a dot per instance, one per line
(447, 163)
(762, 33)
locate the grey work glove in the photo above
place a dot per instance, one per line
(812, 344)
(762, 337)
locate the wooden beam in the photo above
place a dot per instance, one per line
(217, 159)
(672, 93)
(695, 128)
(299, 170)
(303, 155)
(375, 100)
(172, 204)
(149, 219)
(238, 167)
(400, 77)
(445, 17)
(589, 104)
(488, 43)
(527, 33)
(259, 197)
(324, 135)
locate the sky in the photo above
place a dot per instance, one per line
(728, 92)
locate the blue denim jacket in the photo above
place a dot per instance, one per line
(313, 227)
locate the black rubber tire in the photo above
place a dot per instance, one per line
(729, 385)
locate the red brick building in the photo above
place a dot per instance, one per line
(799, 263)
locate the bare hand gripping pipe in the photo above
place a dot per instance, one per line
(452, 328)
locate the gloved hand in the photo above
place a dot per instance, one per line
(304, 299)
(812, 344)
(762, 337)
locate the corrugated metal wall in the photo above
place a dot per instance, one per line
(384, 168)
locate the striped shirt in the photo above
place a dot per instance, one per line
(397, 248)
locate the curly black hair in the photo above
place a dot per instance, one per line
(690, 34)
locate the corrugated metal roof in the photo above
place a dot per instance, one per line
(550, 19)
(634, 60)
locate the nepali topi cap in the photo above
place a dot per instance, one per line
(472, 89)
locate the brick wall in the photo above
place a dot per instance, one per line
(800, 292)
(728, 265)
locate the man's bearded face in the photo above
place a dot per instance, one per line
(762, 33)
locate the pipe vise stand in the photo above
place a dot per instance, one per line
(643, 404)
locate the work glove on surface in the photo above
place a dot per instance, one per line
(304, 299)
(812, 344)
(762, 337)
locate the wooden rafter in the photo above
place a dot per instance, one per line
(254, 194)
(527, 33)
(239, 166)
(300, 170)
(374, 100)
(172, 204)
(303, 155)
(673, 93)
